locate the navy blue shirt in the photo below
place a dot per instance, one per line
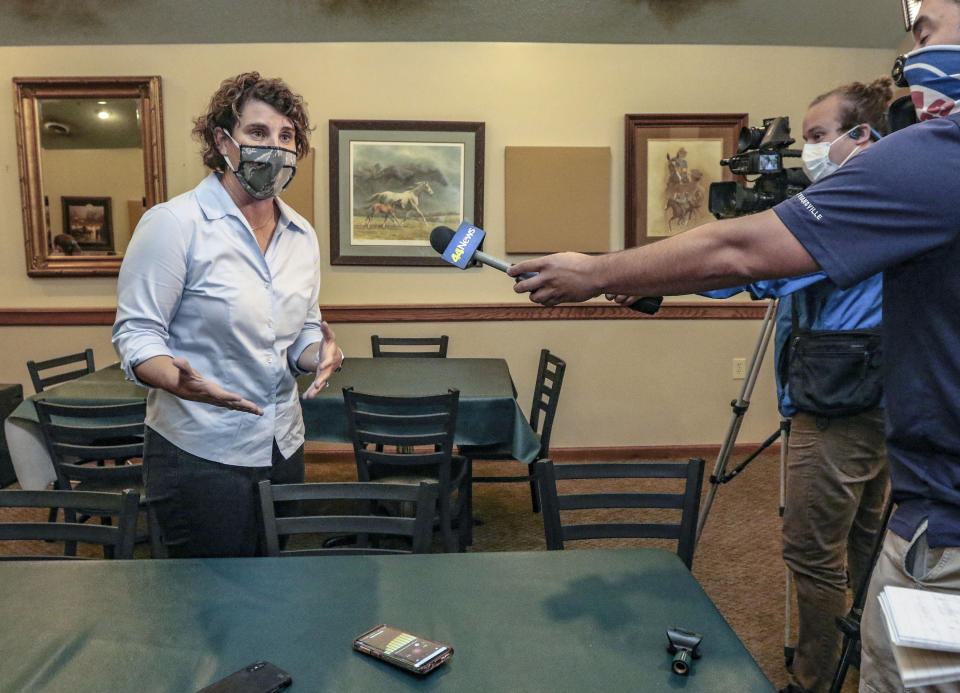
(896, 208)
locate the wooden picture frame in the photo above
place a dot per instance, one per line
(671, 159)
(89, 221)
(393, 181)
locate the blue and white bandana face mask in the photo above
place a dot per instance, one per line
(933, 74)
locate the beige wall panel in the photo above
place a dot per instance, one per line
(301, 193)
(557, 199)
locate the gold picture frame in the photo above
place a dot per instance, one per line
(31, 96)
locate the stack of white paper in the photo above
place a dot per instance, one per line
(924, 631)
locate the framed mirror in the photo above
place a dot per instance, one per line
(90, 151)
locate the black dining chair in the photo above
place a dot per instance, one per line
(607, 489)
(409, 347)
(407, 440)
(348, 508)
(83, 439)
(117, 540)
(41, 382)
(543, 411)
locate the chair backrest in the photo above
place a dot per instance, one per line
(76, 433)
(425, 347)
(36, 367)
(116, 539)
(687, 501)
(546, 394)
(347, 508)
(386, 432)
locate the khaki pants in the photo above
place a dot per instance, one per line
(837, 479)
(902, 563)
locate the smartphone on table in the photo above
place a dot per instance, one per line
(259, 677)
(403, 649)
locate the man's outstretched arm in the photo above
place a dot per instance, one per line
(713, 256)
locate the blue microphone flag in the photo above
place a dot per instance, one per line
(463, 245)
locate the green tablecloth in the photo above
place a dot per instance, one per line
(106, 386)
(488, 412)
(575, 620)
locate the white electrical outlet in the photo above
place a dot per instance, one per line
(739, 369)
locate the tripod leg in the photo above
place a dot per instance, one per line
(740, 406)
(784, 444)
(788, 649)
(850, 624)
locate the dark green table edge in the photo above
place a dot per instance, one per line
(575, 620)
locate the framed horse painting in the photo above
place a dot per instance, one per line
(393, 181)
(671, 160)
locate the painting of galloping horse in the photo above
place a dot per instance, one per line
(408, 200)
(393, 181)
(421, 183)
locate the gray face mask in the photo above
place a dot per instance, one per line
(263, 172)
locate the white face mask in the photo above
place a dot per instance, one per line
(816, 157)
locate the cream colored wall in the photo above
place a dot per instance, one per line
(628, 383)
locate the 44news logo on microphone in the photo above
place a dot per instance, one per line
(463, 244)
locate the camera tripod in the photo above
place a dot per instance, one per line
(740, 406)
(721, 476)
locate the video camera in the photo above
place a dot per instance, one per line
(760, 152)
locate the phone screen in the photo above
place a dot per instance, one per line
(405, 649)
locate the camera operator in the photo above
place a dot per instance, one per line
(893, 208)
(836, 477)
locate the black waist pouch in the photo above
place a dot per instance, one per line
(834, 372)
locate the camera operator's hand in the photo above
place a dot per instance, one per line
(562, 277)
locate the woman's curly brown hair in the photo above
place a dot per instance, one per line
(863, 103)
(228, 101)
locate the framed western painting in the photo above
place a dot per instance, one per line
(393, 181)
(671, 160)
(89, 221)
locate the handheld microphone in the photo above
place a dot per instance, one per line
(441, 237)
(459, 248)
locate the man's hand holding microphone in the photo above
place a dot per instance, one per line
(553, 279)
